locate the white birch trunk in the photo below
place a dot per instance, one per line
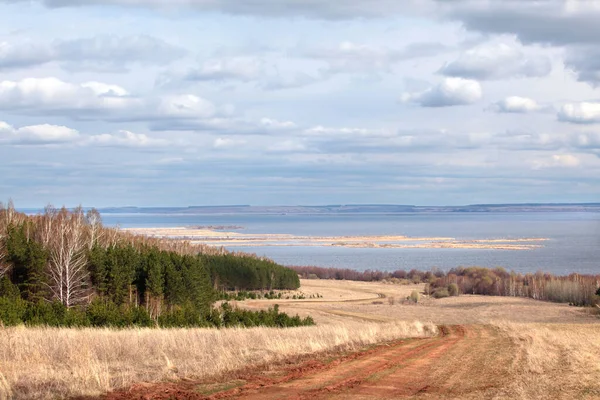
(67, 267)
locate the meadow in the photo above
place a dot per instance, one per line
(50, 363)
(512, 348)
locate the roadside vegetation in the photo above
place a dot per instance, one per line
(270, 295)
(51, 363)
(554, 361)
(64, 268)
(575, 289)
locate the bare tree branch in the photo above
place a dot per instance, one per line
(67, 266)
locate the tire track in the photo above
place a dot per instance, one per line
(463, 361)
(390, 372)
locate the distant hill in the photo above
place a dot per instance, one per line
(358, 208)
(346, 209)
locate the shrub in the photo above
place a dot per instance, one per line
(231, 316)
(598, 292)
(453, 289)
(12, 311)
(441, 293)
(43, 313)
(141, 318)
(76, 318)
(8, 289)
(105, 313)
(414, 296)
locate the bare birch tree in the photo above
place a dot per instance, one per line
(45, 225)
(94, 221)
(9, 214)
(67, 269)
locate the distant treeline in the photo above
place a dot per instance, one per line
(235, 271)
(66, 266)
(575, 289)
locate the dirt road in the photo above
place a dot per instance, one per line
(462, 362)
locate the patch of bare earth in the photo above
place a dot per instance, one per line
(462, 362)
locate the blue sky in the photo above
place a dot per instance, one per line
(264, 102)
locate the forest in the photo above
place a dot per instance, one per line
(64, 268)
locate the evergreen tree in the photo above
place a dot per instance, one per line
(28, 261)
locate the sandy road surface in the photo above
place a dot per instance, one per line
(464, 361)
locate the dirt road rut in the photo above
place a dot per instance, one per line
(462, 362)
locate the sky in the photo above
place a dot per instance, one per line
(299, 102)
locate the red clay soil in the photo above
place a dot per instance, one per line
(462, 362)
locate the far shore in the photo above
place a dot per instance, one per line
(213, 237)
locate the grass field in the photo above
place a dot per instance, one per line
(555, 361)
(501, 348)
(376, 301)
(49, 363)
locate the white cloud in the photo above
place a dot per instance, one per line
(348, 9)
(580, 113)
(586, 140)
(585, 62)
(286, 146)
(569, 25)
(557, 161)
(37, 134)
(528, 140)
(170, 161)
(235, 68)
(290, 81)
(53, 94)
(517, 104)
(321, 131)
(101, 53)
(97, 100)
(125, 139)
(338, 123)
(351, 57)
(355, 57)
(552, 22)
(57, 134)
(47, 133)
(450, 92)
(227, 142)
(185, 106)
(496, 61)
(275, 124)
(24, 54)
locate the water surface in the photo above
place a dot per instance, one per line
(574, 244)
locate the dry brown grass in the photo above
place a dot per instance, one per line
(558, 361)
(45, 363)
(540, 350)
(543, 350)
(357, 299)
